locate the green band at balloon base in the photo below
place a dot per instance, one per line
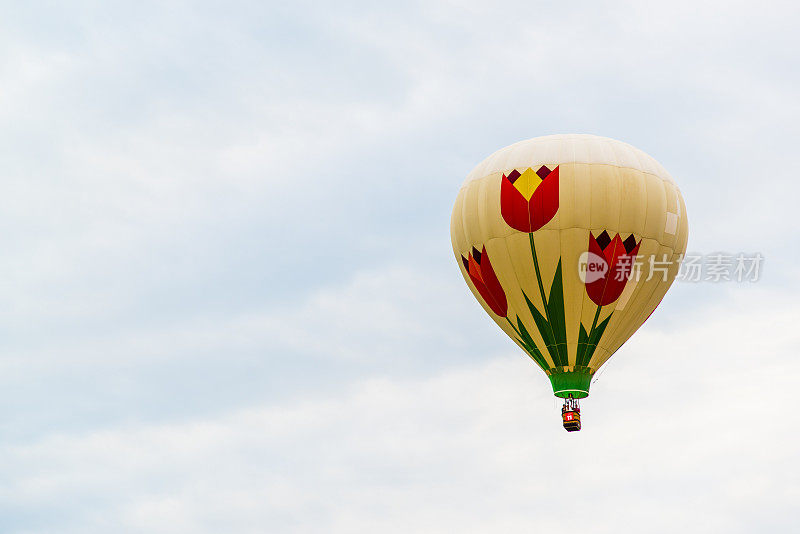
(575, 383)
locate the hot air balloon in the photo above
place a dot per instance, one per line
(569, 242)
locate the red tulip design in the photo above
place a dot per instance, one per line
(482, 275)
(529, 200)
(616, 258)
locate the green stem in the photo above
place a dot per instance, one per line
(544, 299)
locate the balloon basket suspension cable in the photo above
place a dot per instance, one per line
(571, 414)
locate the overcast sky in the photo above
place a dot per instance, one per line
(229, 301)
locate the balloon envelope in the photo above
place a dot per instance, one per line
(569, 242)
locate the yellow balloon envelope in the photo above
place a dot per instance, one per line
(569, 242)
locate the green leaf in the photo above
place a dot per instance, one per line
(583, 339)
(545, 330)
(555, 309)
(523, 333)
(597, 333)
(531, 347)
(593, 340)
(511, 324)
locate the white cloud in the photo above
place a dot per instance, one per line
(373, 316)
(691, 435)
